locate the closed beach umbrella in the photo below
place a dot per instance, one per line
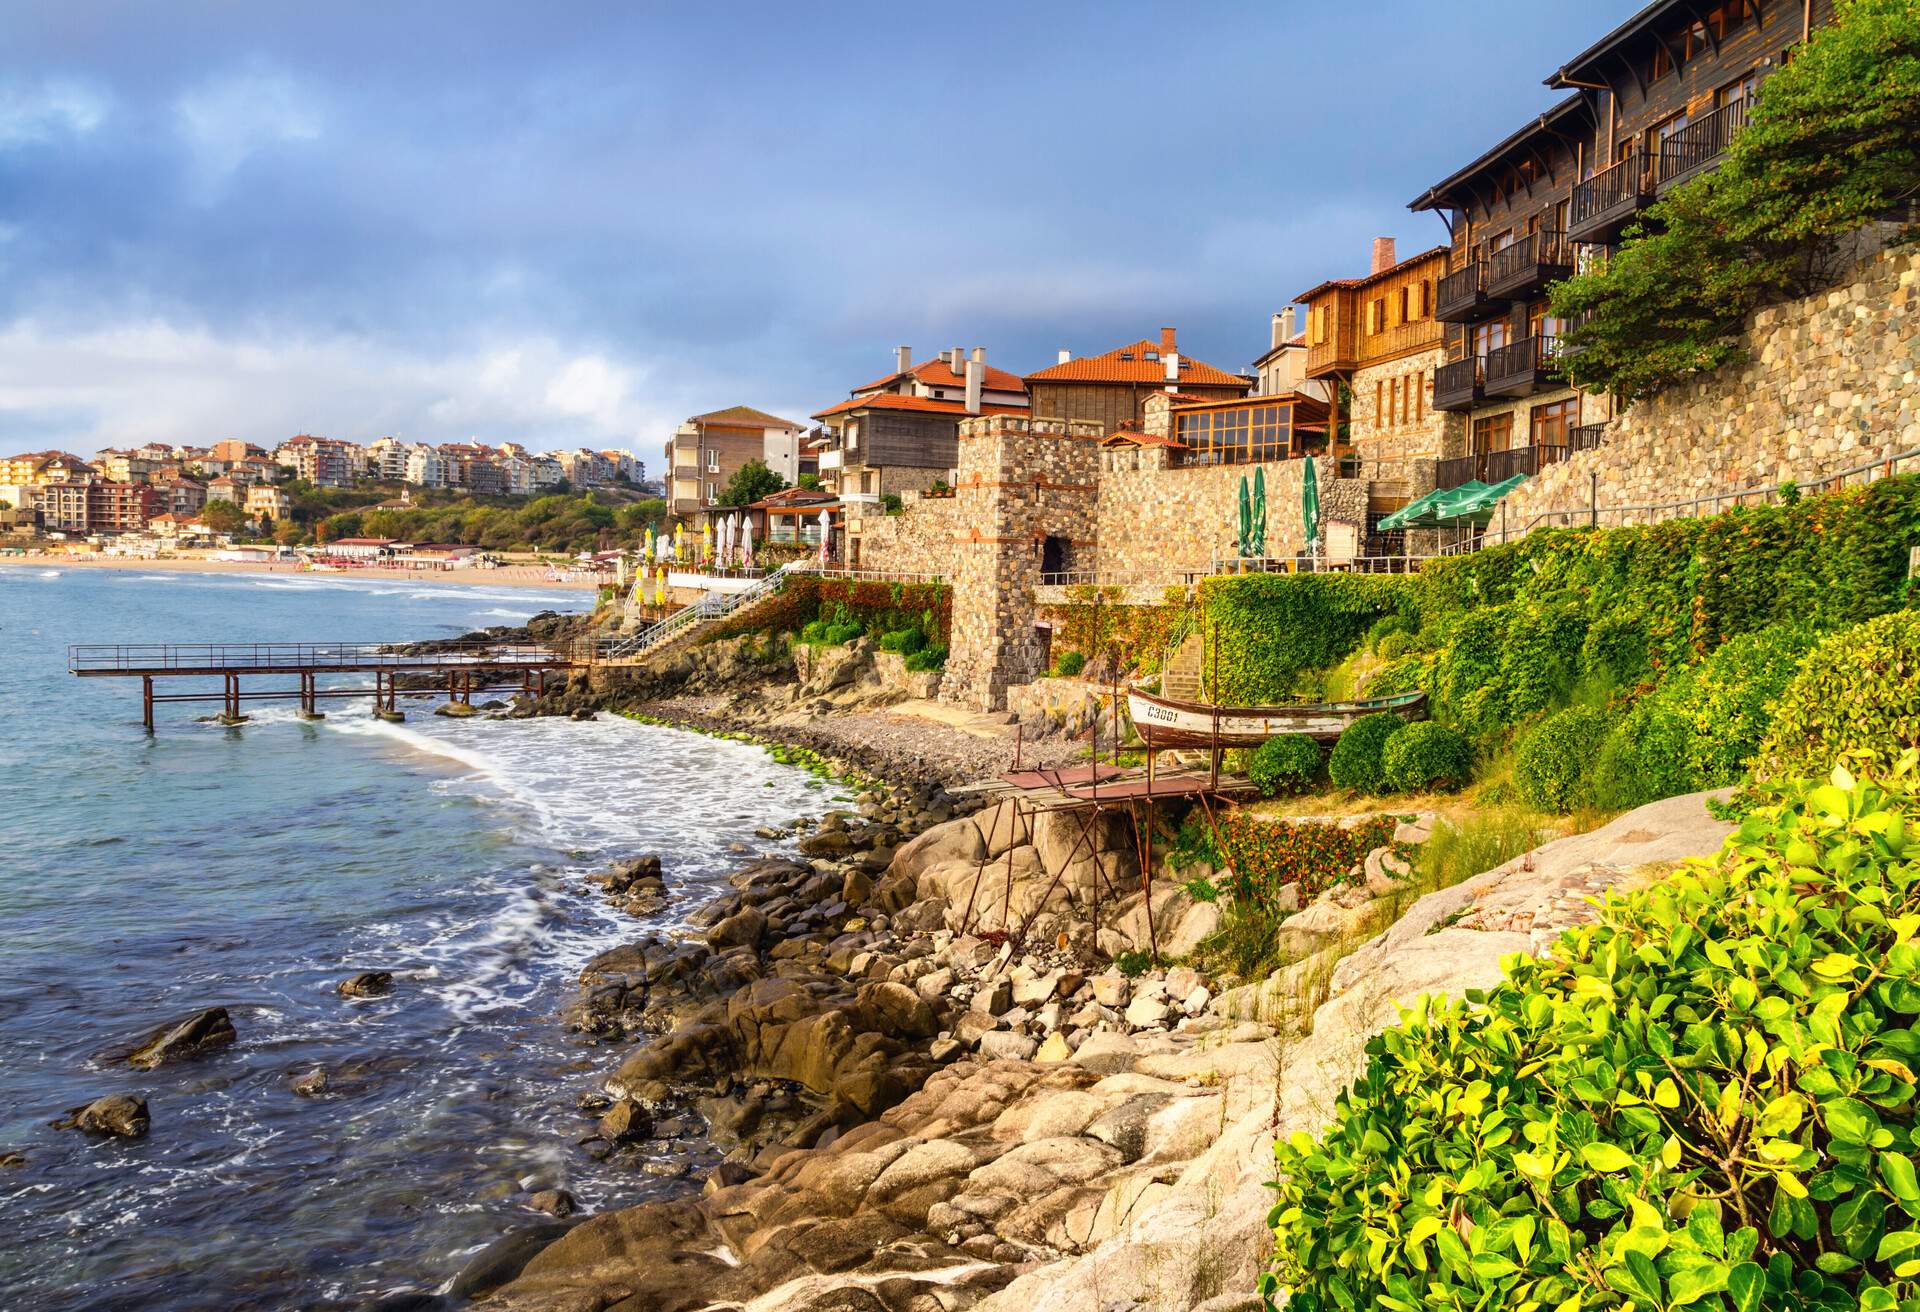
(1310, 506)
(826, 535)
(725, 556)
(706, 542)
(1259, 512)
(1244, 543)
(746, 543)
(679, 532)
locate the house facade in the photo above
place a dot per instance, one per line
(707, 450)
(900, 433)
(1111, 389)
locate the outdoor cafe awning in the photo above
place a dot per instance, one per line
(1473, 501)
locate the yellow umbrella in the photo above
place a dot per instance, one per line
(706, 542)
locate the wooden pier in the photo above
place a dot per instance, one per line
(462, 668)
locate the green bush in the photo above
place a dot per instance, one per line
(1426, 755)
(1069, 664)
(1704, 725)
(1858, 692)
(1356, 761)
(1287, 764)
(1614, 652)
(1552, 764)
(904, 641)
(1388, 626)
(1271, 628)
(927, 660)
(1705, 1100)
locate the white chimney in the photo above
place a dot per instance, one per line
(902, 359)
(976, 374)
(1172, 359)
(1279, 331)
(957, 359)
(980, 354)
(1065, 355)
(1287, 325)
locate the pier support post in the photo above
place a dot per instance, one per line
(308, 690)
(230, 705)
(146, 701)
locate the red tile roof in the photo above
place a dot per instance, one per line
(1139, 438)
(937, 373)
(1110, 368)
(920, 404)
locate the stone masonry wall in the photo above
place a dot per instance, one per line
(1388, 450)
(1021, 481)
(1831, 381)
(1160, 523)
(919, 540)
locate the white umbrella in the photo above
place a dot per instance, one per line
(746, 542)
(826, 534)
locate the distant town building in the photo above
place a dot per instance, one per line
(708, 450)
(95, 507)
(320, 461)
(268, 503)
(425, 468)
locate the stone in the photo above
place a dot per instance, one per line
(1199, 923)
(935, 985)
(310, 1084)
(1055, 1049)
(972, 1025)
(994, 997)
(1112, 989)
(118, 1115)
(624, 1121)
(1147, 1012)
(1033, 992)
(1107, 1052)
(742, 929)
(554, 1202)
(1003, 1045)
(183, 1040)
(367, 984)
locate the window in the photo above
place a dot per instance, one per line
(1488, 336)
(1421, 382)
(1696, 41)
(1406, 304)
(1234, 435)
(1551, 422)
(1379, 400)
(713, 461)
(1150, 355)
(1493, 433)
(1376, 315)
(1407, 389)
(1739, 92)
(1660, 133)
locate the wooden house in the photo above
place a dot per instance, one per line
(1111, 389)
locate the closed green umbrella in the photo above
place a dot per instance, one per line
(1259, 513)
(1310, 504)
(1245, 543)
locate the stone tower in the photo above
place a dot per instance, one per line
(1026, 496)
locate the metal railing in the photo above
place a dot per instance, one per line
(1620, 186)
(1698, 144)
(130, 658)
(1585, 437)
(1529, 355)
(710, 607)
(1530, 257)
(1496, 466)
(1458, 380)
(1460, 289)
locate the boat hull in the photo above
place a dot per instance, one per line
(1164, 724)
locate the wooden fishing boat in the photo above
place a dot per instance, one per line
(1164, 722)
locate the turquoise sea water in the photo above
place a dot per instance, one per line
(142, 878)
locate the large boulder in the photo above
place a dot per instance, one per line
(182, 1040)
(956, 841)
(118, 1115)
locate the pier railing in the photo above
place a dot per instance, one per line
(338, 657)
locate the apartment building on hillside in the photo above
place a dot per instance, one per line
(707, 450)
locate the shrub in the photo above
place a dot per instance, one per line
(1356, 759)
(1388, 626)
(1270, 628)
(1426, 755)
(927, 660)
(1705, 1100)
(1262, 856)
(1614, 652)
(1539, 653)
(1288, 764)
(1069, 664)
(1487, 838)
(904, 641)
(1553, 761)
(1859, 691)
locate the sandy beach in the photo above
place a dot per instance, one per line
(517, 576)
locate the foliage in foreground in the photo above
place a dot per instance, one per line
(1859, 692)
(1705, 1100)
(1287, 764)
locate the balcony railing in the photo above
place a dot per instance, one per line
(1400, 338)
(1585, 437)
(1529, 264)
(1602, 204)
(1461, 296)
(1519, 368)
(1698, 145)
(1456, 386)
(1495, 466)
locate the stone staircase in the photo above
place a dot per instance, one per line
(1181, 679)
(633, 648)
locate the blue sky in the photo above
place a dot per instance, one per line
(581, 223)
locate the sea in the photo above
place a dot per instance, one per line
(143, 877)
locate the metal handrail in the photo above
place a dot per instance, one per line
(713, 606)
(99, 658)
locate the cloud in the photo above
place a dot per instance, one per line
(155, 380)
(49, 109)
(228, 119)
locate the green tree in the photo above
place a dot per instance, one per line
(223, 516)
(288, 534)
(749, 483)
(1832, 144)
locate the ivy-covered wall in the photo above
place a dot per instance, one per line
(880, 607)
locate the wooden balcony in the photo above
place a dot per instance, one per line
(1585, 437)
(1524, 367)
(1462, 296)
(1603, 204)
(1457, 386)
(1698, 146)
(1522, 269)
(1495, 466)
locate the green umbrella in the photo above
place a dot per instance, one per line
(1245, 541)
(1259, 513)
(1310, 503)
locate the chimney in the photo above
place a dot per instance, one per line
(1382, 254)
(1065, 355)
(1279, 331)
(976, 374)
(902, 359)
(1287, 330)
(980, 354)
(1167, 346)
(1172, 361)
(959, 360)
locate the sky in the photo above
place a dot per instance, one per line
(582, 223)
